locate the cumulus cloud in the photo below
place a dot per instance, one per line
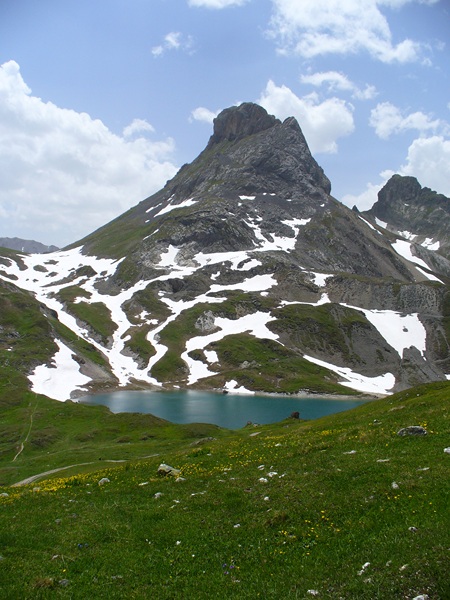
(366, 199)
(428, 160)
(334, 81)
(203, 114)
(218, 4)
(320, 27)
(387, 119)
(136, 127)
(62, 173)
(174, 40)
(322, 123)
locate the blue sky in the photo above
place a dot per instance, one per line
(101, 102)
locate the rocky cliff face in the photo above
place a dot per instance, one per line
(415, 213)
(244, 272)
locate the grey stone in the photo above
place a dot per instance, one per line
(412, 430)
(164, 470)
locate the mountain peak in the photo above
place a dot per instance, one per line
(237, 122)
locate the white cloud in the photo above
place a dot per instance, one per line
(62, 173)
(137, 126)
(318, 27)
(338, 81)
(429, 161)
(203, 114)
(322, 123)
(174, 40)
(366, 199)
(218, 4)
(387, 119)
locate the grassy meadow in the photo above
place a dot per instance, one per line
(339, 507)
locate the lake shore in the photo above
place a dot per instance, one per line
(307, 395)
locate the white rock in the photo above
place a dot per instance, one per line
(363, 568)
(447, 450)
(104, 480)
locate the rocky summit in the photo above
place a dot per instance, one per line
(243, 273)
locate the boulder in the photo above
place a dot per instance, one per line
(165, 470)
(412, 430)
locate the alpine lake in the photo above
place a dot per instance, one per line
(231, 411)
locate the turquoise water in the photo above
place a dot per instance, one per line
(226, 410)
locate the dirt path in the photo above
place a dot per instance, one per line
(34, 478)
(22, 444)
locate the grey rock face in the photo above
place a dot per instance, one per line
(405, 206)
(236, 123)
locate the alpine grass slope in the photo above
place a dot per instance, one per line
(242, 273)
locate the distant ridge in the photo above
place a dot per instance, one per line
(28, 246)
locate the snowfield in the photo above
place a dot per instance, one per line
(47, 274)
(61, 379)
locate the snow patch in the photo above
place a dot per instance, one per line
(58, 381)
(232, 386)
(381, 223)
(167, 258)
(319, 279)
(403, 248)
(170, 207)
(428, 243)
(382, 384)
(400, 331)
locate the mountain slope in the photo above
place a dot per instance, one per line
(244, 272)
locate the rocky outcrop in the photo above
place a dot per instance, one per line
(236, 123)
(408, 208)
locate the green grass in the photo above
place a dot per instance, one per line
(327, 508)
(327, 328)
(265, 365)
(138, 343)
(97, 317)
